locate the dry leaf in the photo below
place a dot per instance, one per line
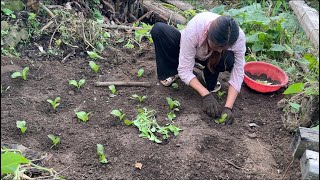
(138, 165)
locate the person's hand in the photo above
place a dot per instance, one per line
(229, 119)
(210, 105)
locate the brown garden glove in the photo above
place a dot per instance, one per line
(210, 105)
(229, 119)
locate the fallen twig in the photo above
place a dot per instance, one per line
(65, 58)
(231, 163)
(47, 10)
(145, 15)
(46, 26)
(109, 26)
(124, 83)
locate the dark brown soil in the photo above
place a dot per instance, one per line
(203, 150)
(262, 78)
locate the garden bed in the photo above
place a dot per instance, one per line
(203, 150)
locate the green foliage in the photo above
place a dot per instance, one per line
(11, 161)
(175, 86)
(113, 89)
(129, 45)
(221, 94)
(140, 72)
(118, 113)
(83, 116)
(138, 97)
(144, 32)
(95, 68)
(222, 119)
(102, 157)
(55, 139)
(148, 126)
(294, 88)
(171, 116)
(22, 126)
(94, 55)
(77, 84)
(23, 74)
(173, 104)
(54, 103)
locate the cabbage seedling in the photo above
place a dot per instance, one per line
(113, 89)
(83, 116)
(95, 68)
(23, 74)
(140, 72)
(94, 55)
(139, 98)
(118, 113)
(55, 139)
(173, 104)
(102, 157)
(175, 86)
(222, 119)
(54, 103)
(171, 116)
(22, 126)
(77, 84)
(221, 93)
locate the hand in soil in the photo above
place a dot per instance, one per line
(210, 105)
(229, 119)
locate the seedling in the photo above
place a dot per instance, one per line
(221, 93)
(173, 104)
(171, 116)
(102, 157)
(95, 68)
(83, 116)
(118, 113)
(94, 55)
(222, 119)
(55, 139)
(54, 103)
(140, 72)
(113, 89)
(23, 74)
(22, 126)
(139, 98)
(175, 86)
(77, 84)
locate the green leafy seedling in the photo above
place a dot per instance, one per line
(55, 139)
(83, 116)
(175, 86)
(113, 89)
(222, 119)
(140, 72)
(171, 116)
(22, 126)
(173, 104)
(95, 68)
(11, 163)
(118, 113)
(54, 103)
(221, 93)
(77, 84)
(139, 98)
(102, 156)
(94, 55)
(23, 74)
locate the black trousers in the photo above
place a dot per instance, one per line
(167, 46)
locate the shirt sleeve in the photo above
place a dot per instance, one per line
(237, 73)
(188, 47)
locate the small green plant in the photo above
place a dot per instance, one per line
(77, 84)
(83, 116)
(55, 139)
(171, 116)
(175, 86)
(22, 126)
(118, 113)
(102, 156)
(140, 72)
(54, 103)
(129, 45)
(221, 94)
(222, 119)
(138, 97)
(94, 55)
(113, 89)
(95, 68)
(23, 74)
(173, 104)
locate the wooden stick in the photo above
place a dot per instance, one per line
(123, 83)
(231, 163)
(120, 27)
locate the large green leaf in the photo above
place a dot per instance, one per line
(294, 88)
(10, 162)
(277, 47)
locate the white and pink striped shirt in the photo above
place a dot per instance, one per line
(194, 35)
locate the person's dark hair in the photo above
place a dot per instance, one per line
(223, 33)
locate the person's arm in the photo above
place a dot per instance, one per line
(232, 96)
(196, 85)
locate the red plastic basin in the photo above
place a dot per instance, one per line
(272, 72)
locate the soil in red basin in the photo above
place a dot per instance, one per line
(263, 78)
